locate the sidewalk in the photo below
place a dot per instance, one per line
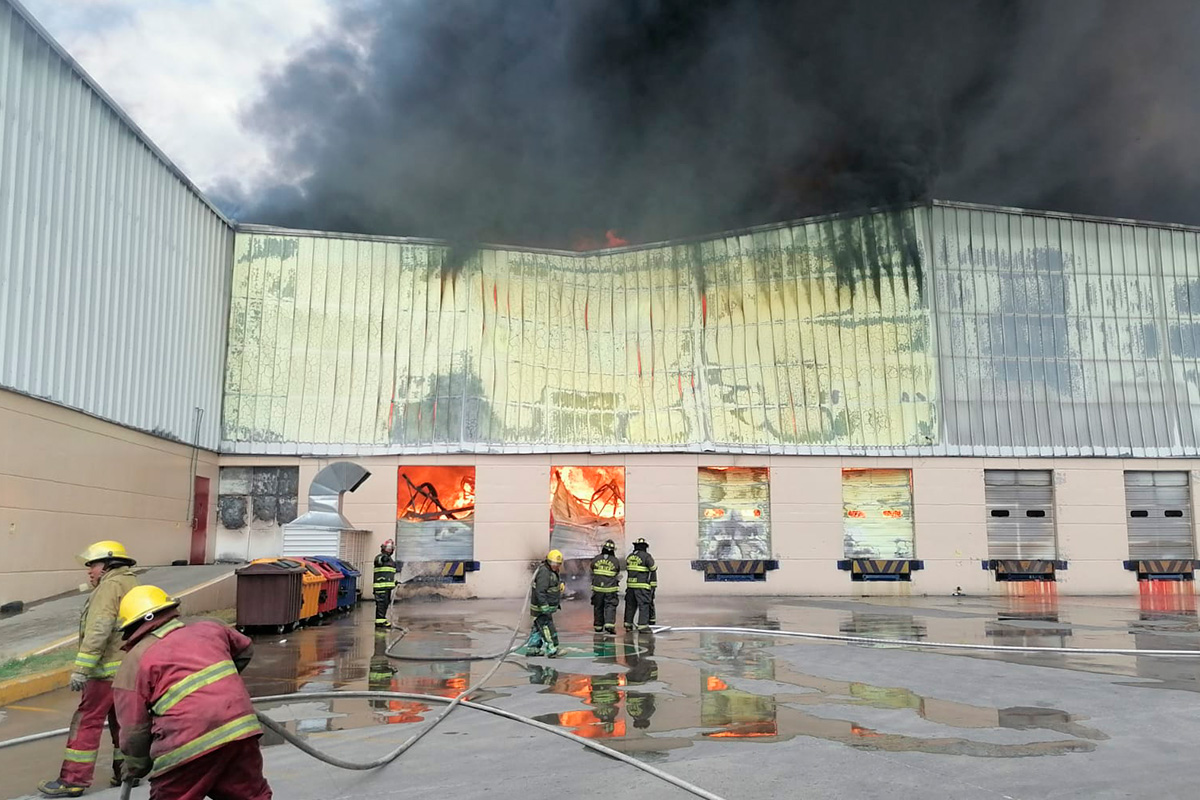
(56, 622)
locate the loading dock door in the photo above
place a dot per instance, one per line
(877, 513)
(1159, 516)
(1020, 507)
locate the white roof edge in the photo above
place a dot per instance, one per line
(92, 84)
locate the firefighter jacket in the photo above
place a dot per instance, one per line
(178, 694)
(640, 565)
(606, 573)
(385, 573)
(99, 651)
(546, 595)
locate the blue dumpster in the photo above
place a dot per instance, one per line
(348, 587)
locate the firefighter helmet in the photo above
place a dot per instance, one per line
(388, 546)
(554, 557)
(609, 546)
(104, 551)
(641, 544)
(143, 602)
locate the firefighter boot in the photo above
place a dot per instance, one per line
(57, 788)
(533, 645)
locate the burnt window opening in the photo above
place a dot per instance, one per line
(1035, 512)
(1139, 513)
(999, 512)
(1173, 512)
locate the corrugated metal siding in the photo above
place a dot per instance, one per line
(807, 338)
(1065, 336)
(1020, 504)
(113, 272)
(1159, 515)
(877, 513)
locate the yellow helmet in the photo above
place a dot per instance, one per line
(104, 550)
(554, 557)
(140, 602)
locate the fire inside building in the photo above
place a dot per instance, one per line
(934, 398)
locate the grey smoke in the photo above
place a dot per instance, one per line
(540, 121)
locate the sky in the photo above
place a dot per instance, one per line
(553, 122)
(185, 70)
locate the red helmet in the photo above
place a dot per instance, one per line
(388, 545)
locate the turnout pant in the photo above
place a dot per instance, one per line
(604, 609)
(383, 603)
(544, 624)
(231, 772)
(87, 727)
(638, 602)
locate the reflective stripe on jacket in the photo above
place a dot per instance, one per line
(178, 694)
(640, 566)
(385, 572)
(98, 654)
(605, 574)
(547, 589)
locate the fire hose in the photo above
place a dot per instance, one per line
(451, 704)
(461, 699)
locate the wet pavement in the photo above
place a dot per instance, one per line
(742, 715)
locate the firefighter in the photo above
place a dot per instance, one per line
(638, 598)
(384, 583)
(97, 657)
(186, 718)
(606, 584)
(544, 599)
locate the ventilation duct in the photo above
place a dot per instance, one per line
(325, 496)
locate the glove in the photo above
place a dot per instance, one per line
(78, 681)
(136, 767)
(562, 587)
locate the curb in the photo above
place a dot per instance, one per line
(19, 689)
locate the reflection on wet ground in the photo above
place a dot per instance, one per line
(651, 694)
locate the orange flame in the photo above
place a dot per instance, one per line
(441, 492)
(601, 490)
(715, 684)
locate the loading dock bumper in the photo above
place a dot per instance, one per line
(1033, 569)
(1164, 569)
(728, 569)
(880, 569)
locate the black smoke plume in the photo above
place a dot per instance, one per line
(547, 122)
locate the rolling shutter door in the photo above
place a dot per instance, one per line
(1020, 522)
(1159, 515)
(877, 513)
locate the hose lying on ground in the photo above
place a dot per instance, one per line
(1003, 648)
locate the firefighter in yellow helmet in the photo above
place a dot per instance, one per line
(186, 718)
(545, 598)
(98, 655)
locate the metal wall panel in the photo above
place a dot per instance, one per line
(812, 337)
(877, 513)
(1020, 504)
(1066, 336)
(113, 270)
(1159, 516)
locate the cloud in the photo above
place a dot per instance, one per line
(185, 69)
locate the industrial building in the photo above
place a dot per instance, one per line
(925, 400)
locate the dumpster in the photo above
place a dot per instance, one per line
(314, 582)
(348, 588)
(269, 594)
(332, 577)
